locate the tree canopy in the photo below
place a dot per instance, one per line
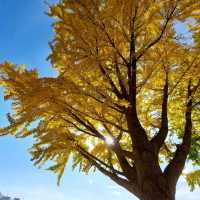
(126, 100)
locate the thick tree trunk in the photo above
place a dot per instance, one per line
(157, 194)
(157, 197)
(156, 189)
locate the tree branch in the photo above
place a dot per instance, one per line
(138, 135)
(112, 84)
(112, 43)
(175, 167)
(130, 186)
(168, 18)
(159, 139)
(120, 153)
(120, 79)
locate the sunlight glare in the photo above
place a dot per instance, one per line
(109, 140)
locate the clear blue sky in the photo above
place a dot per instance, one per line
(24, 36)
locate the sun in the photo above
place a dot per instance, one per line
(109, 140)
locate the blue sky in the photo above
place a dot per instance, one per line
(24, 36)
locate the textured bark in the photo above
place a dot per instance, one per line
(156, 189)
(158, 195)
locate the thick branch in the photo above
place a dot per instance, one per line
(133, 65)
(159, 139)
(175, 167)
(121, 154)
(138, 135)
(129, 171)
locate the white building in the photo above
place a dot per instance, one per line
(2, 197)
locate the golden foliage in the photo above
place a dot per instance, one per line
(87, 101)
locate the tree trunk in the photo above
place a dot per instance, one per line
(157, 189)
(158, 195)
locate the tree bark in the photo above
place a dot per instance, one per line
(153, 190)
(157, 189)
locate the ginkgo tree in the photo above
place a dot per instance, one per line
(126, 100)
